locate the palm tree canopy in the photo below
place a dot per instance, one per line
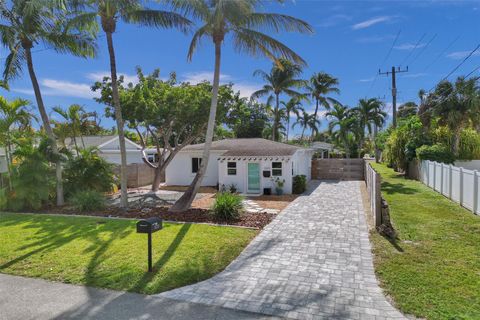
(369, 112)
(281, 79)
(246, 26)
(321, 85)
(26, 23)
(294, 105)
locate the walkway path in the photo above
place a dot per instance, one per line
(312, 262)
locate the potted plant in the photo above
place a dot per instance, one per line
(279, 183)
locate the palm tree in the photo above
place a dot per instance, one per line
(370, 116)
(13, 116)
(321, 85)
(281, 79)
(241, 20)
(27, 23)
(109, 12)
(294, 106)
(73, 116)
(305, 121)
(341, 126)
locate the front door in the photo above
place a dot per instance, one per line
(253, 178)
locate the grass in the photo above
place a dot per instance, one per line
(433, 269)
(108, 253)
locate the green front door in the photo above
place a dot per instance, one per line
(253, 178)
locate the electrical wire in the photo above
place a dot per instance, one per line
(442, 53)
(411, 51)
(423, 49)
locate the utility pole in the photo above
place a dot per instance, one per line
(394, 90)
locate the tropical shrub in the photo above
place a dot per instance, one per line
(299, 184)
(88, 171)
(227, 206)
(33, 180)
(87, 200)
(469, 145)
(436, 152)
(3, 199)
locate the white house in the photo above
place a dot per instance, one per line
(249, 164)
(109, 148)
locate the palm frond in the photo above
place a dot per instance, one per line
(157, 18)
(197, 36)
(277, 23)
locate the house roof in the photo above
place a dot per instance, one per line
(248, 147)
(95, 141)
(322, 145)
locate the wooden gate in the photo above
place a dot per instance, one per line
(338, 169)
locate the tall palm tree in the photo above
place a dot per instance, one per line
(109, 12)
(341, 126)
(13, 116)
(73, 116)
(26, 24)
(294, 105)
(320, 86)
(241, 20)
(305, 120)
(370, 116)
(282, 78)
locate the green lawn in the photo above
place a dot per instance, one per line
(433, 269)
(108, 253)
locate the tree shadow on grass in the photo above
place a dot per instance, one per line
(394, 188)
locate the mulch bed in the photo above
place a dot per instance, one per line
(196, 215)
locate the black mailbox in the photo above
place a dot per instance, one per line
(149, 225)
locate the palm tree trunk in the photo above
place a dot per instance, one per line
(303, 133)
(288, 124)
(8, 156)
(119, 119)
(315, 116)
(187, 198)
(377, 152)
(275, 117)
(46, 123)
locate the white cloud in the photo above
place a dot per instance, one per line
(334, 20)
(246, 89)
(371, 22)
(457, 55)
(409, 46)
(53, 87)
(414, 75)
(99, 75)
(367, 79)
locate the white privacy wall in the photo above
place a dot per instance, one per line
(456, 183)
(179, 171)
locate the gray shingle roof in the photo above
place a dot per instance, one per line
(90, 141)
(248, 147)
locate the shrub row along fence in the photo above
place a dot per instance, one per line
(373, 181)
(456, 183)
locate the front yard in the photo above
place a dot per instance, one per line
(108, 253)
(433, 269)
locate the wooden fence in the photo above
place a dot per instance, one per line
(456, 183)
(373, 181)
(139, 175)
(338, 169)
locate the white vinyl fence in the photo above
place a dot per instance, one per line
(373, 181)
(456, 183)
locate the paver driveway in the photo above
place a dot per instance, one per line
(312, 262)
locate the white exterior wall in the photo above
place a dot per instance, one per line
(3, 164)
(241, 179)
(179, 171)
(302, 163)
(112, 156)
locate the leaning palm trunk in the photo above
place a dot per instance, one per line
(119, 120)
(187, 198)
(46, 123)
(275, 117)
(315, 118)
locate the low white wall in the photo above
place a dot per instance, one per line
(470, 165)
(3, 164)
(179, 171)
(373, 184)
(456, 183)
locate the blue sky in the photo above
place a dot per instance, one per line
(351, 42)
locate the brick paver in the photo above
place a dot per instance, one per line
(312, 262)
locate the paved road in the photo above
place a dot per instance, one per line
(35, 299)
(312, 262)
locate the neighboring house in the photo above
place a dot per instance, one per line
(3, 161)
(469, 165)
(249, 164)
(109, 148)
(323, 148)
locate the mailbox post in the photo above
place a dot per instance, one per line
(149, 226)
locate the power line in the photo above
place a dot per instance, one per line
(442, 53)
(423, 50)
(383, 62)
(411, 51)
(463, 61)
